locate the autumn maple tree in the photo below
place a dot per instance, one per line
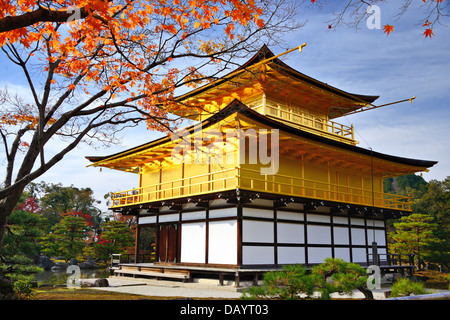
(94, 67)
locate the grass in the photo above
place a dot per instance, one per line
(434, 279)
(57, 293)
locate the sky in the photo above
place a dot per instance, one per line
(364, 61)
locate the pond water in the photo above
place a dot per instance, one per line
(60, 277)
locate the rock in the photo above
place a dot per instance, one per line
(88, 265)
(44, 262)
(59, 266)
(86, 284)
(6, 289)
(73, 262)
(101, 283)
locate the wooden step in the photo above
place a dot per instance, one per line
(154, 272)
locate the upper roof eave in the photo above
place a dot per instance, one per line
(238, 107)
(265, 53)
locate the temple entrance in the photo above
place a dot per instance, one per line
(146, 244)
(168, 243)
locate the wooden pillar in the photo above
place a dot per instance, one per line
(207, 233)
(136, 248)
(264, 104)
(157, 237)
(305, 217)
(239, 234)
(332, 233)
(275, 234)
(366, 239)
(350, 247)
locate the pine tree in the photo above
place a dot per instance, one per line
(116, 237)
(413, 235)
(68, 237)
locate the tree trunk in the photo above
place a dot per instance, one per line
(7, 205)
(367, 293)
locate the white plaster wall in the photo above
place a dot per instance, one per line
(340, 235)
(357, 222)
(169, 217)
(318, 218)
(256, 212)
(318, 255)
(146, 220)
(290, 233)
(257, 231)
(358, 236)
(193, 241)
(319, 235)
(359, 255)
(257, 255)
(290, 215)
(379, 237)
(342, 253)
(291, 255)
(222, 247)
(225, 212)
(341, 220)
(185, 216)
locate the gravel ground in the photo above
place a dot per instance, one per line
(164, 288)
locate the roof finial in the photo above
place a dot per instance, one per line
(300, 48)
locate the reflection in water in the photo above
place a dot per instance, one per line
(60, 277)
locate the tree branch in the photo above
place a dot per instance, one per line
(39, 15)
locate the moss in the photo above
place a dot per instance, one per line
(52, 293)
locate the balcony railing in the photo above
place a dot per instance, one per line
(300, 187)
(189, 186)
(252, 180)
(310, 123)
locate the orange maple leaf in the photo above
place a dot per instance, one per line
(388, 29)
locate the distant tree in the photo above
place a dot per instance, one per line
(436, 203)
(411, 185)
(413, 234)
(68, 237)
(25, 230)
(116, 237)
(55, 199)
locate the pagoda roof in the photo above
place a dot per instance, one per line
(236, 107)
(352, 103)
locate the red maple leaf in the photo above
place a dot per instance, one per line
(428, 32)
(388, 29)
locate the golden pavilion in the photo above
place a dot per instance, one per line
(266, 177)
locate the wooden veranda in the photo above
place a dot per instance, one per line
(123, 266)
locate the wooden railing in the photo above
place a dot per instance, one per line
(252, 180)
(288, 185)
(117, 259)
(309, 122)
(189, 186)
(394, 260)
